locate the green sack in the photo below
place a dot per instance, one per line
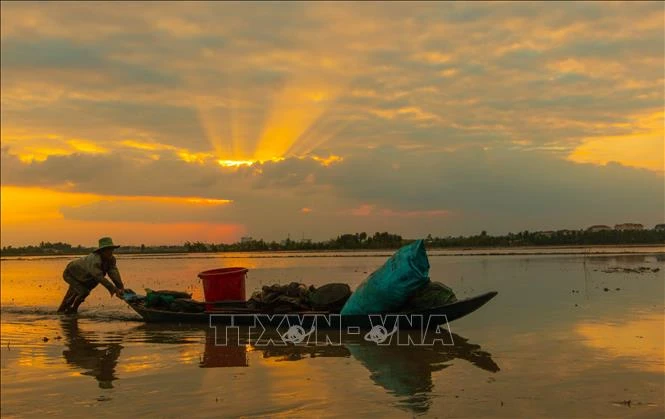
(157, 299)
(174, 294)
(434, 294)
(389, 287)
(187, 305)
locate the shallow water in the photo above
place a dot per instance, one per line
(553, 343)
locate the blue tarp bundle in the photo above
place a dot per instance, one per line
(390, 286)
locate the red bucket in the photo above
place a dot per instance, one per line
(225, 284)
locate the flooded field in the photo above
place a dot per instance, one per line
(569, 335)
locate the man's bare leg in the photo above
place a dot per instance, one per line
(76, 303)
(67, 300)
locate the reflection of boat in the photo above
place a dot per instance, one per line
(235, 354)
(403, 371)
(406, 371)
(242, 315)
(99, 360)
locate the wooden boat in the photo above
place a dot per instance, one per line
(237, 313)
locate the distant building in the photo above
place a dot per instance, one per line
(598, 227)
(659, 227)
(246, 239)
(566, 232)
(628, 227)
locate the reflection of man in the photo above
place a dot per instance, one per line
(85, 273)
(97, 359)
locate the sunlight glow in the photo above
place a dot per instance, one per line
(236, 163)
(327, 161)
(199, 158)
(25, 205)
(87, 146)
(642, 148)
(208, 201)
(640, 339)
(289, 122)
(148, 146)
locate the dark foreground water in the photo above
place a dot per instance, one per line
(562, 339)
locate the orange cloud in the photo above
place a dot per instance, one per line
(365, 210)
(362, 211)
(125, 233)
(327, 161)
(84, 146)
(643, 148)
(26, 212)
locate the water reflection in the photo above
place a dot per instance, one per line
(627, 260)
(637, 341)
(406, 371)
(97, 359)
(223, 356)
(403, 371)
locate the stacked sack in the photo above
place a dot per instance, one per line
(402, 284)
(172, 301)
(299, 297)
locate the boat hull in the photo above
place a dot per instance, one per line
(240, 316)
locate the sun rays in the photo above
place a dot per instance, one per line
(292, 121)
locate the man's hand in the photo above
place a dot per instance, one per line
(119, 292)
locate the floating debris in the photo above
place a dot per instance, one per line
(45, 339)
(622, 403)
(639, 270)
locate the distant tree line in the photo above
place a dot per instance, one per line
(343, 242)
(363, 241)
(553, 238)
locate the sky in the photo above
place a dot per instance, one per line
(160, 123)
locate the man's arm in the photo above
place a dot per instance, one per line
(96, 271)
(109, 286)
(114, 274)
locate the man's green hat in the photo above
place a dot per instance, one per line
(105, 242)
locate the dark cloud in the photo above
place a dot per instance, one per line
(503, 190)
(470, 108)
(49, 53)
(649, 44)
(113, 120)
(62, 54)
(524, 58)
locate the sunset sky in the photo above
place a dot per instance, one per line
(158, 123)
